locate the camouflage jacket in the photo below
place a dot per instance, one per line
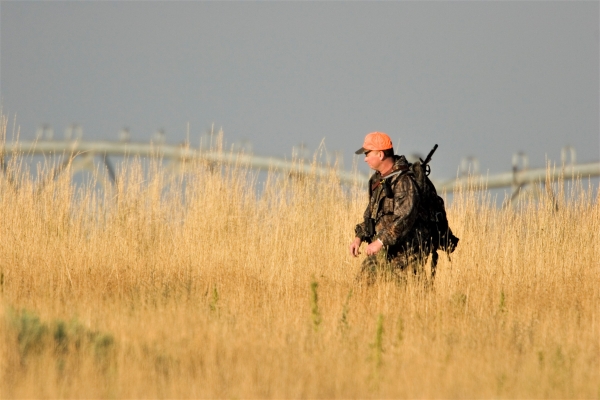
(395, 217)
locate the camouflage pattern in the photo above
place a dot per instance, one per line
(398, 224)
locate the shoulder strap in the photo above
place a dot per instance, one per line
(402, 170)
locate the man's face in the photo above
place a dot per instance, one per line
(373, 159)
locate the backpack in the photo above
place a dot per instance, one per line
(433, 211)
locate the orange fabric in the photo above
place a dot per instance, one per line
(375, 141)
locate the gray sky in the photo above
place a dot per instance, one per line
(484, 79)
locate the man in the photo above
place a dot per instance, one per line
(392, 225)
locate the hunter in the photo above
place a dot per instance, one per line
(392, 227)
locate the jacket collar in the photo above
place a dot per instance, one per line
(400, 164)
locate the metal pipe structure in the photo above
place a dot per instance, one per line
(177, 153)
(520, 178)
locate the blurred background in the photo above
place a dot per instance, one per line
(484, 80)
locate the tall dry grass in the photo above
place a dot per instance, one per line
(203, 288)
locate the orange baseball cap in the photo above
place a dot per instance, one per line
(375, 141)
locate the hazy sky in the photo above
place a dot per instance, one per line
(484, 79)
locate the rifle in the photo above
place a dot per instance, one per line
(428, 158)
(425, 163)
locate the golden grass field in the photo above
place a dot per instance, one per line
(152, 290)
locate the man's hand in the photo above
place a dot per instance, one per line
(374, 247)
(355, 247)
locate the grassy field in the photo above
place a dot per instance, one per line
(156, 290)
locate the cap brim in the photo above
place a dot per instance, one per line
(360, 151)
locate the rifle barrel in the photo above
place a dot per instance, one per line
(428, 158)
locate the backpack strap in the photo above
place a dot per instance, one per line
(403, 169)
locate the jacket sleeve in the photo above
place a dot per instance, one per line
(405, 212)
(359, 230)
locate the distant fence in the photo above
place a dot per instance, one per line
(81, 155)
